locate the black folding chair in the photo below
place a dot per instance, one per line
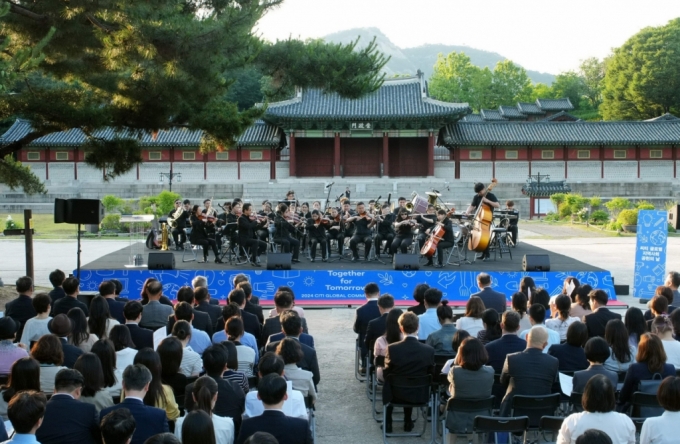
(420, 397)
(357, 363)
(379, 362)
(576, 402)
(535, 407)
(645, 405)
(550, 424)
(493, 424)
(639, 422)
(479, 407)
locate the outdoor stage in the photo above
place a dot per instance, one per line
(341, 283)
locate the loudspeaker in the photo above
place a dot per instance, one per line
(674, 217)
(60, 211)
(279, 261)
(78, 211)
(406, 261)
(161, 260)
(536, 262)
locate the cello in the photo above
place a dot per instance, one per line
(436, 235)
(480, 233)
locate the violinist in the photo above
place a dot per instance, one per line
(347, 213)
(316, 231)
(266, 211)
(284, 225)
(316, 205)
(446, 241)
(182, 216)
(404, 227)
(385, 230)
(336, 231)
(304, 215)
(210, 212)
(304, 211)
(247, 225)
(427, 221)
(230, 229)
(491, 201)
(199, 236)
(362, 222)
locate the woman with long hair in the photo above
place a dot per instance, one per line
(232, 373)
(635, 325)
(24, 375)
(492, 326)
(392, 334)
(666, 292)
(104, 350)
(571, 355)
(440, 340)
(159, 394)
(79, 335)
(561, 323)
(541, 296)
(662, 327)
(170, 351)
(581, 305)
(100, 321)
(50, 355)
(191, 364)
(472, 321)
(205, 395)
(569, 287)
(622, 353)
(419, 297)
(527, 286)
(519, 304)
(93, 392)
(124, 347)
(198, 428)
(199, 236)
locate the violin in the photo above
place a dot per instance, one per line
(207, 218)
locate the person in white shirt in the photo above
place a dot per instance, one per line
(293, 406)
(36, 327)
(663, 328)
(429, 321)
(245, 354)
(561, 320)
(124, 347)
(663, 429)
(537, 316)
(472, 321)
(191, 364)
(205, 397)
(598, 404)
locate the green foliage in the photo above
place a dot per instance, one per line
(166, 201)
(670, 204)
(564, 210)
(569, 84)
(644, 205)
(592, 72)
(557, 199)
(616, 205)
(111, 222)
(628, 217)
(510, 85)
(15, 175)
(552, 217)
(671, 229)
(641, 78)
(595, 202)
(587, 114)
(112, 203)
(11, 224)
(614, 226)
(599, 217)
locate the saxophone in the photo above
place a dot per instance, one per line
(172, 221)
(164, 237)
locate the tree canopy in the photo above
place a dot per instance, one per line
(146, 66)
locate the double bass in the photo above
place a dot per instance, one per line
(480, 233)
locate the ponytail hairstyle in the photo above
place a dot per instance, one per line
(662, 324)
(444, 311)
(181, 330)
(563, 304)
(205, 389)
(493, 326)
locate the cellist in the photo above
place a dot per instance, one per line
(490, 200)
(446, 240)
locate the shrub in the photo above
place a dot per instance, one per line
(616, 205)
(111, 222)
(111, 203)
(671, 229)
(551, 217)
(599, 217)
(11, 224)
(669, 205)
(166, 201)
(628, 217)
(644, 205)
(595, 202)
(557, 199)
(564, 210)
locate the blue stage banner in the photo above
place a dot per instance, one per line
(650, 252)
(341, 287)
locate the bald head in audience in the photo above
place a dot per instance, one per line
(537, 338)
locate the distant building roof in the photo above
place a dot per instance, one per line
(529, 108)
(563, 104)
(491, 115)
(472, 118)
(511, 112)
(666, 117)
(546, 188)
(562, 116)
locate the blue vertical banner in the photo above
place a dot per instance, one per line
(650, 252)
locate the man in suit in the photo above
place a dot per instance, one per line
(530, 372)
(304, 338)
(72, 288)
(118, 427)
(119, 289)
(365, 314)
(57, 280)
(244, 278)
(250, 307)
(140, 336)
(597, 320)
(272, 391)
(283, 300)
(250, 322)
(407, 357)
(231, 400)
(291, 322)
(21, 309)
(155, 315)
(490, 297)
(108, 290)
(271, 363)
(67, 419)
(507, 344)
(376, 327)
(201, 321)
(202, 301)
(150, 420)
(61, 326)
(597, 352)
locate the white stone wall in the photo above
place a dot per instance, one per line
(623, 170)
(553, 168)
(192, 172)
(282, 170)
(514, 172)
(129, 177)
(443, 169)
(583, 170)
(61, 172)
(38, 168)
(255, 171)
(222, 172)
(476, 171)
(656, 169)
(87, 173)
(149, 172)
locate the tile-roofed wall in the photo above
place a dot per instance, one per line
(667, 116)
(563, 104)
(529, 108)
(511, 112)
(562, 116)
(472, 118)
(490, 115)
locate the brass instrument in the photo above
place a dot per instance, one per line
(172, 221)
(164, 237)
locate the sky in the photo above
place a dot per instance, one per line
(543, 35)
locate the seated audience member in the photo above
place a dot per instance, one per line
(662, 327)
(528, 287)
(469, 378)
(163, 438)
(428, 321)
(570, 354)
(537, 315)
(230, 311)
(79, 335)
(440, 339)
(597, 351)
(272, 391)
(66, 418)
(563, 320)
(363, 315)
(149, 287)
(158, 395)
(245, 355)
(274, 312)
(205, 396)
(580, 305)
(251, 307)
(294, 405)
(663, 429)
(540, 296)
(140, 336)
(107, 290)
(57, 278)
(492, 326)
(201, 320)
(9, 351)
(154, 315)
(100, 322)
(569, 287)
(530, 372)
(622, 354)
(289, 349)
(21, 309)
(26, 411)
(636, 326)
(283, 301)
(104, 350)
(61, 326)
(71, 286)
(37, 326)
(651, 359)
(593, 436)
(490, 297)
(49, 354)
(597, 320)
(230, 398)
(149, 420)
(472, 321)
(119, 290)
(659, 307)
(392, 334)
(598, 405)
(292, 327)
(407, 358)
(124, 347)
(191, 361)
(118, 427)
(93, 391)
(244, 278)
(262, 438)
(667, 293)
(199, 339)
(419, 297)
(25, 375)
(202, 301)
(232, 373)
(170, 352)
(508, 343)
(198, 428)
(457, 340)
(375, 328)
(519, 304)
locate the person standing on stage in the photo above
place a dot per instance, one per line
(199, 236)
(183, 212)
(283, 228)
(404, 226)
(490, 200)
(385, 231)
(446, 241)
(316, 232)
(363, 235)
(246, 234)
(512, 226)
(336, 231)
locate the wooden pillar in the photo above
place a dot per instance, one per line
(137, 171)
(637, 158)
(565, 156)
(336, 155)
(386, 154)
(530, 156)
(674, 156)
(272, 163)
(456, 158)
(172, 159)
(602, 162)
(430, 154)
(493, 161)
(48, 153)
(205, 167)
(75, 163)
(238, 161)
(291, 157)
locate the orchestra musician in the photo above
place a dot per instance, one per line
(208, 210)
(401, 202)
(182, 216)
(266, 211)
(347, 213)
(336, 231)
(316, 232)
(512, 222)
(230, 229)
(285, 224)
(427, 221)
(479, 198)
(362, 223)
(446, 241)
(316, 205)
(199, 235)
(247, 226)
(404, 227)
(385, 230)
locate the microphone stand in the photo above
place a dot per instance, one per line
(328, 198)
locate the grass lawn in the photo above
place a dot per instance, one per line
(44, 226)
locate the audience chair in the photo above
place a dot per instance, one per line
(492, 424)
(535, 407)
(550, 424)
(422, 401)
(357, 363)
(575, 402)
(479, 407)
(309, 404)
(379, 362)
(639, 422)
(645, 405)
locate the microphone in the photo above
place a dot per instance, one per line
(330, 184)
(378, 198)
(436, 191)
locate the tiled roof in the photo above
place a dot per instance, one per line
(545, 188)
(563, 104)
(491, 115)
(511, 112)
(667, 116)
(562, 116)
(562, 133)
(401, 98)
(260, 133)
(472, 118)
(529, 108)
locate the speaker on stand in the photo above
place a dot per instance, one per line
(407, 262)
(536, 262)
